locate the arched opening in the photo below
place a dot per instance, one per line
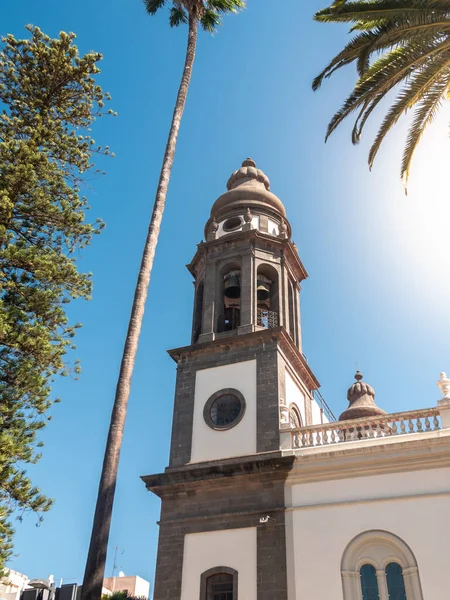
(198, 312)
(381, 557)
(267, 297)
(395, 582)
(219, 583)
(369, 583)
(295, 419)
(229, 313)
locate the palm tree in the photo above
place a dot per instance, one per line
(411, 42)
(207, 14)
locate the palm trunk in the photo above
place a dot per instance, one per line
(95, 565)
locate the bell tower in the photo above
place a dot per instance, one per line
(239, 383)
(248, 273)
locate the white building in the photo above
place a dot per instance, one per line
(12, 585)
(266, 496)
(133, 585)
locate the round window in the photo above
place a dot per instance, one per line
(232, 224)
(224, 409)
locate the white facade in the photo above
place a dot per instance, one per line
(209, 444)
(232, 548)
(370, 502)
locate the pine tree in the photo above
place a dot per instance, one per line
(49, 99)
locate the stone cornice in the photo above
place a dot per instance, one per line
(254, 236)
(412, 452)
(278, 334)
(195, 475)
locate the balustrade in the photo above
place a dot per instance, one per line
(417, 421)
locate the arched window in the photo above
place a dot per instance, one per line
(295, 420)
(395, 582)
(219, 583)
(229, 301)
(377, 565)
(369, 583)
(267, 297)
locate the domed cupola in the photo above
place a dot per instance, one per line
(247, 204)
(361, 397)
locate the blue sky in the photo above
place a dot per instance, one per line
(378, 290)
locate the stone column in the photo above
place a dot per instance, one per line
(209, 303)
(247, 294)
(382, 586)
(351, 582)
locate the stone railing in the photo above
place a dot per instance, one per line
(415, 421)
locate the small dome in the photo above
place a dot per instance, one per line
(359, 388)
(248, 173)
(361, 397)
(248, 188)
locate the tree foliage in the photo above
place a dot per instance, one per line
(207, 12)
(410, 40)
(49, 98)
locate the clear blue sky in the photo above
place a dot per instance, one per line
(379, 286)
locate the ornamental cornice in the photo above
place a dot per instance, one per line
(409, 452)
(279, 334)
(240, 240)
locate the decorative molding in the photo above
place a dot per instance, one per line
(357, 459)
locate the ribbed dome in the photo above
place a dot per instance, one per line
(359, 388)
(248, 173)
(248, 188)
(361, 397)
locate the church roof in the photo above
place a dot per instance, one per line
(361, 397)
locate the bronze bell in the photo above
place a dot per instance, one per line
(232, 287)
(263, 290)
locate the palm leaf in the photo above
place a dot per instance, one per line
(152, 6)
(424, 115)
(177, 16)
(417, 88)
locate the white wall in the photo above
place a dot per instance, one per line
(233, 548)
(209, 444)
(295, 395)
(320, 533)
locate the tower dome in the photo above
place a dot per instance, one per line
(361, 397)
(248, 200)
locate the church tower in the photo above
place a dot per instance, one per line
(240, 383)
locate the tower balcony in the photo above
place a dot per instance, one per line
(373, 430)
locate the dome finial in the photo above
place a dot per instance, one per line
(249, 162)
(358, 375)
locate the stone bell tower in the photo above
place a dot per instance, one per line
(242, 378)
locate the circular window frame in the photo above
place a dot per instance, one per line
(216, 396)
(234, 227)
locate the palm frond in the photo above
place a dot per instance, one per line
(225, 6)
(374, 11)
(384, 74)
(152, 6)
(210, 21)
(417, 88)
(177, 16)
(424, 115)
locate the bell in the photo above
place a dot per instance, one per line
(232, 287)
(263, 291)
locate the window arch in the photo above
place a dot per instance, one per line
(219, 583)
(369, 582)
(389, 558)
(395, 582)
(267, 297)
(295, 419)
